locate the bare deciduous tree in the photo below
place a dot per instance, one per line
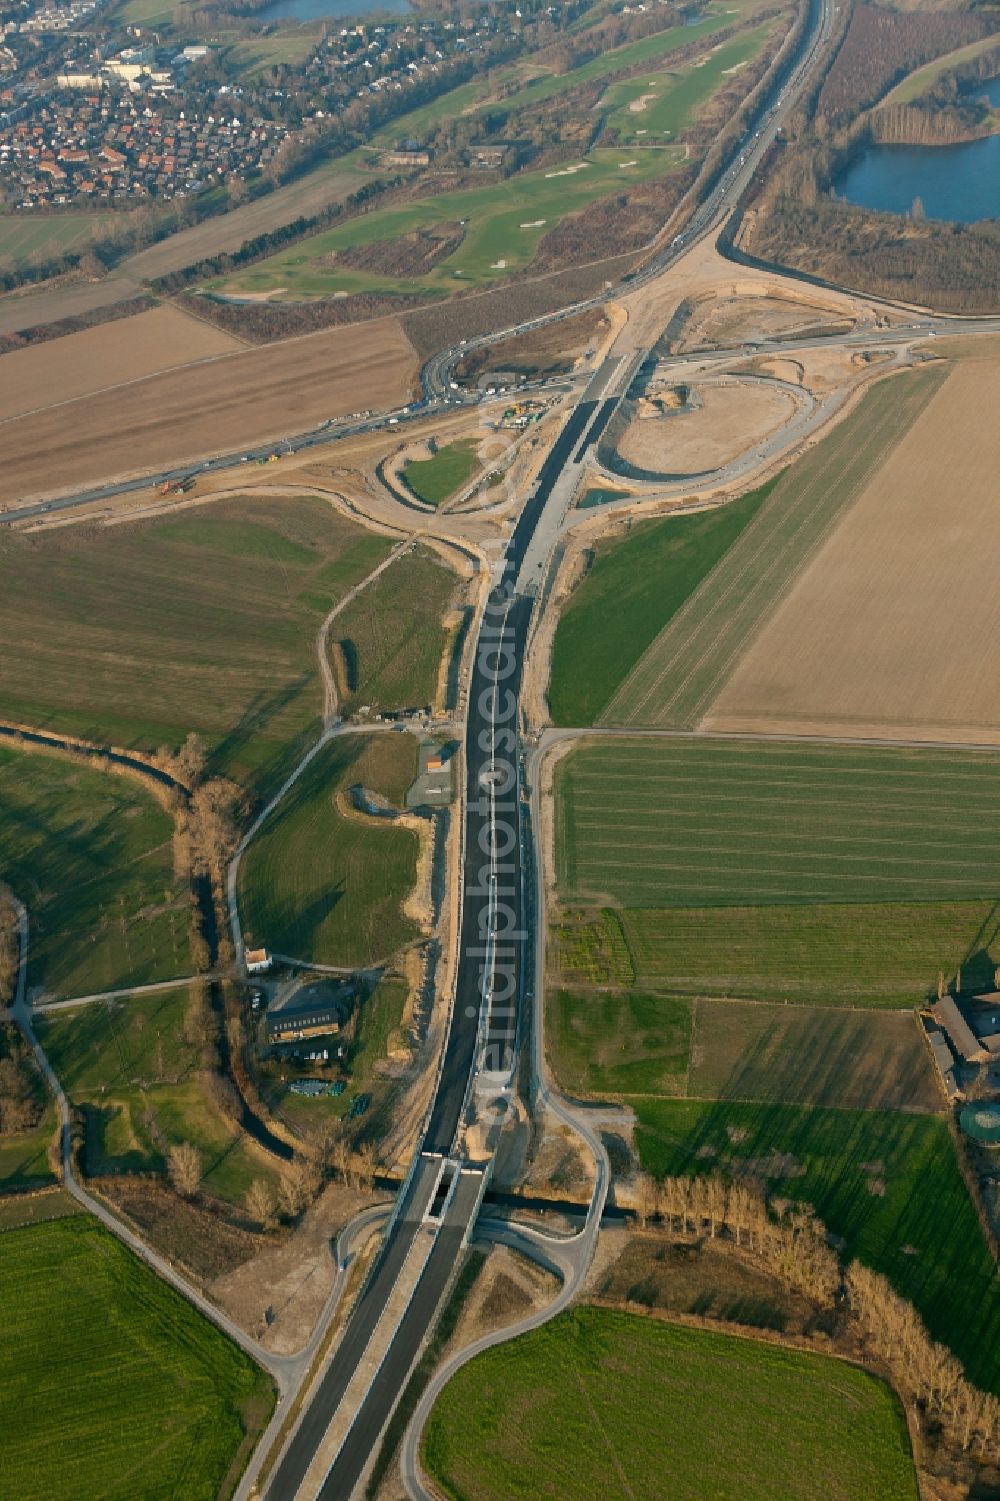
(646, 1198)
(299, 1185)
(184, 1168)
(260, 1203)
(363, 1166)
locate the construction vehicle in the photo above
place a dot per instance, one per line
(177, 486)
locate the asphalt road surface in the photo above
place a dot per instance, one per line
(483, 1025)
(363, 1436)
(290, 1473)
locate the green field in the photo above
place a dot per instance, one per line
(392, 637)
(119, 1387)
(622, 1044)
(784, 871)
(675, 681)
(322, 886)
(17, 1210)
(145, 13)
(886, 1182)
(24, 1155)
(476, 98)
(693, 822)
(603, 1042)
(288, 48)
(607, 1406)
(632, 55)
(506, 220)
(503, 229)
(661, 105)
(129, 1067)
(27, 234)
(635, 586)
(204, 621)
(867, 954)
(90, 855)
(810, 1056)
(436, 479)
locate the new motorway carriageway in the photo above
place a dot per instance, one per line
(441, 1198)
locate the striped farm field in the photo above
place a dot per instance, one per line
(834, 953)
(695, 822)
(680, 674)
(774, 870)
(112, 1385)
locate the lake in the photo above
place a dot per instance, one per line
(960, 182)
(320, 10)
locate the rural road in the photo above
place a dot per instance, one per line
(21, 1012)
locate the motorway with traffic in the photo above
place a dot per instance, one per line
(483, 1029)
(439, 391)
(484, 1026)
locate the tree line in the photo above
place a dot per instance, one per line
(789, 1241)
(882, 46)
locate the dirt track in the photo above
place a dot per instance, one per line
(246, 398)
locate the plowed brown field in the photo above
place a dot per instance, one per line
(109, 355)
(250, 397)
(893, 630)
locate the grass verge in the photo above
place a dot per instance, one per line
(436, 479)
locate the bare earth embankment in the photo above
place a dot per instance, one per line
(893, 628)
(253, 396)
(109, 355)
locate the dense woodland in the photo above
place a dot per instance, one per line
(954, 267)
(882, 46)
